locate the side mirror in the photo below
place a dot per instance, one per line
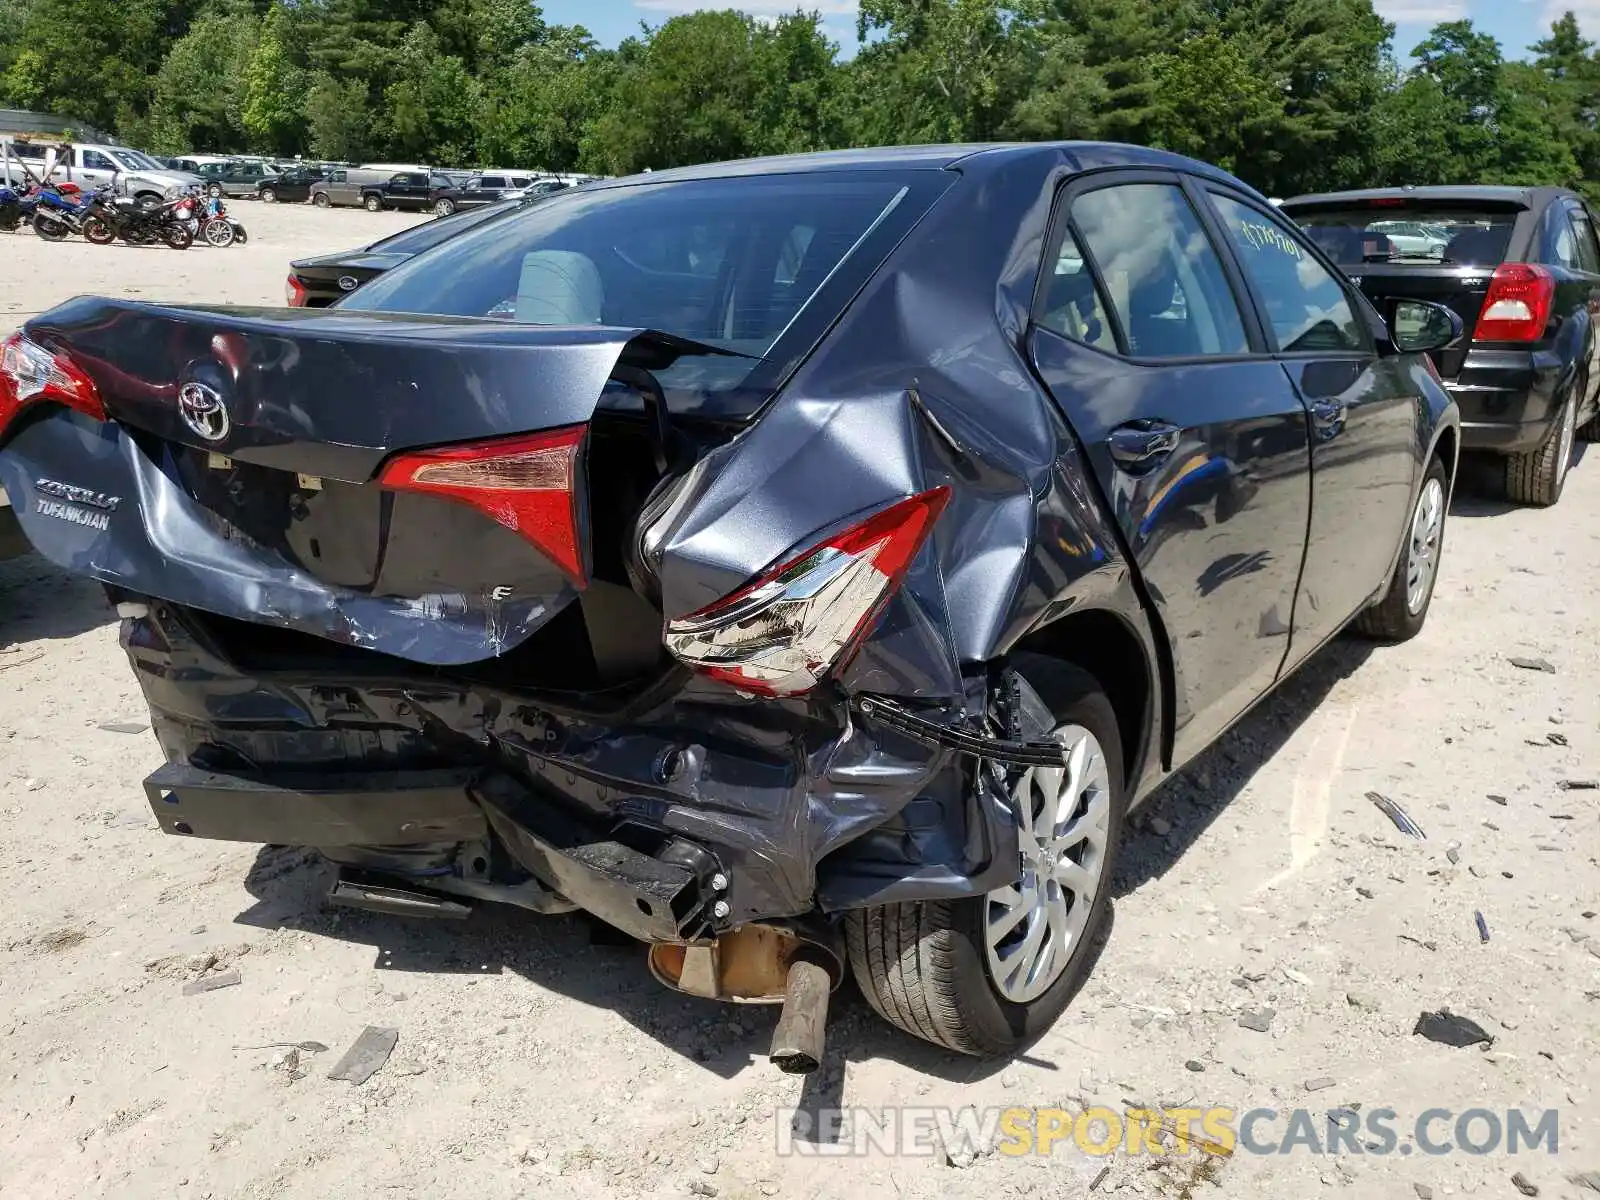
(1417, 326)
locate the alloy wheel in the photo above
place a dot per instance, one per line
(1422, 551)
(1032, 927)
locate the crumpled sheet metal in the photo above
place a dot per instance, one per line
(166, 543)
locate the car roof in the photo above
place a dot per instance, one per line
(1084, 155)
(1525, 197)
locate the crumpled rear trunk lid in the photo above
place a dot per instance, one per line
(247, 468)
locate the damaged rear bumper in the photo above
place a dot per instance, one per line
(683, 812)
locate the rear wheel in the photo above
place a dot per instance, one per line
(321, 200)
(269, 195)
(373, 204)
(444, 207)
(218, 233)
(178, 237)
(49, 228)
(984, 975)
(1400, 615)
(1538, 476)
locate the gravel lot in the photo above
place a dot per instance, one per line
(532, 1062)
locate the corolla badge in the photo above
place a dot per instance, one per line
(347, 283)
(202, 410)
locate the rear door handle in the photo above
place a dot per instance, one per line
(1139, 445)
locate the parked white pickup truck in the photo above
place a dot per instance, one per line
(132, 172)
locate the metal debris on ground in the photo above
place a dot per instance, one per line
(1587, 1179)
(307, 1047)
(1579, 785)
(1533, 664)
(1556, 739)
(1423, 1191)
(1402, 820)
(1448, 1029)
(124, 727)
(1453, 853)
(210, 983)
(366, 1055)
(1483, 927)
(1500, 800)
(1319, 1083)
(1100, 1178)
(1522, 1184)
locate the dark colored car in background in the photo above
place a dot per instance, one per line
(413, 191)
(234, 178)
(650, 552)
(318, 282)
(1521, 267)
(290, 186)
(487, 189)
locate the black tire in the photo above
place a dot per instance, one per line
(444, 207)
(50, 229)
(321, 200)
(148, 201)
(923, 965)
(1589, 431)
(214, 190)
(177, 237)
(268, 196)
(1538, 476)
(96, 230)
(373, 203)
(1391, 619)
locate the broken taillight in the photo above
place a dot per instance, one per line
(528, 484)
(296, 291)
(779, 635)
(30, 374)
(1517, 307)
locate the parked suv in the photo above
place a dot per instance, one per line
(235, 178)
(1521, 266)
(416, 191)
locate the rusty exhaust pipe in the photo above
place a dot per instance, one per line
(797, 1041)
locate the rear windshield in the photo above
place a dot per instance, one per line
(1448, 236)
(728, 262)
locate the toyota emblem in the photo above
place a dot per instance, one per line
(203, 411)
(347, 283)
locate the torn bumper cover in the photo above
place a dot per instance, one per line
(690, 812)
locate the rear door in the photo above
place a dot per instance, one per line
(1363, 411)
(1145, 337)
(1570, 250)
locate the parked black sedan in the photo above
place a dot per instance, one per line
(318, 282)
(1521, 266)
(801, 564)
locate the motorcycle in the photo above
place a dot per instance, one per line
(16, 208)
(60, 213)
(113, 217)
(217, 227)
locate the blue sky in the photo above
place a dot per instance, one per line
(1515, 22)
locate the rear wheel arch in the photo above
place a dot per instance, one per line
(1101, 643)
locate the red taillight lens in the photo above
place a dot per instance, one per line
(779, 635)
(528, 484)
(1517, 308)
(296, 292)
(30, 374)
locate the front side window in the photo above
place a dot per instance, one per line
(1306, 305)
(95, 161)
(1160, 271)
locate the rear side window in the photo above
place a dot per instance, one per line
(1161, 273)
(1588, 250)
(1070, 303)
(1306, 305)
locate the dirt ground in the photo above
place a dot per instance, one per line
(533, 1062)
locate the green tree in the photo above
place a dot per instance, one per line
(535, 110)
(1212, 105)
(199, 92)
(274, 89)
(429, 103)
(336, 118)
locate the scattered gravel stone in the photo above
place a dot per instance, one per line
(210, 983)
(1533, 664)
(1521, 1183)
(1448, 1029)
(1257, 1019)
(1160, 826)
(1195, 1065)
(1319, 1083)
(701, 1188)
(1500, 800)
(708, 1165)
